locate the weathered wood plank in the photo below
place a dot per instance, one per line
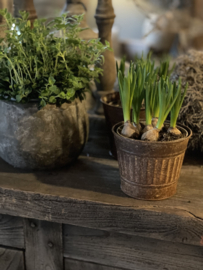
(11, 259)
(129, 252)
(88, 194)
(81, 265)
(43, 242)
(11, 232)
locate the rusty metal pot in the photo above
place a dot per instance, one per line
(150, 170)
(114, 115)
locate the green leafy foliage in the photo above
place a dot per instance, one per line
(35, 64)
(167, 97)
(164, 69)
(178, 103)
(151, 90)
(145, 82)
(140, 77)
(155, 100)
(149, 86)
(121, 67)
(126, 89)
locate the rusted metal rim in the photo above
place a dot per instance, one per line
(112, 96)
(115, 127)
(181, 128)
(147, 186)
(150, 170)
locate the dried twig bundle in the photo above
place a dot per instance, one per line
(190, 68)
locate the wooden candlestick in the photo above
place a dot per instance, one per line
(26, 5)
(105, 19)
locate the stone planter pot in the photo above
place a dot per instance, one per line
(150, 170)
(42, 139)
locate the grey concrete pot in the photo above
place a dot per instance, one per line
(42, 139)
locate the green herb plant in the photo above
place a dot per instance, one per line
(161, 97)
(170, 100)
(127, 85)
(155, 104)
(126, 92)
(35, 64)
(149, 85)
(138, 95)
(166, 100)
(164, 69)
(121, 67)
(177, 106)
(149, 101)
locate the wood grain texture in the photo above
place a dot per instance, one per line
(129, 252)
(43, 242)
(88, 194)
(11, 259)
(81, 265)
(11, 232)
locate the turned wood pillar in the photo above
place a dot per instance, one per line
(26, 5)
(105, 18)
(197, 12)
(77, 7)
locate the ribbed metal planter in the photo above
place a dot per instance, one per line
(114, 115)
(150, 170)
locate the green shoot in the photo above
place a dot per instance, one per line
(140, 76)
(178, 103)
(166, 100)
(142, 82)
(147, 63)
(150, 91)
(148, 102)
(151, 71)
(122, 66)
(126, 89)
(146, 73)
(164, 70)
(155, 100)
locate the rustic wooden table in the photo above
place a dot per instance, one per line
(77, 218)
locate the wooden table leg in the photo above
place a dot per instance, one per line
(43, 245)
(105, 19)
